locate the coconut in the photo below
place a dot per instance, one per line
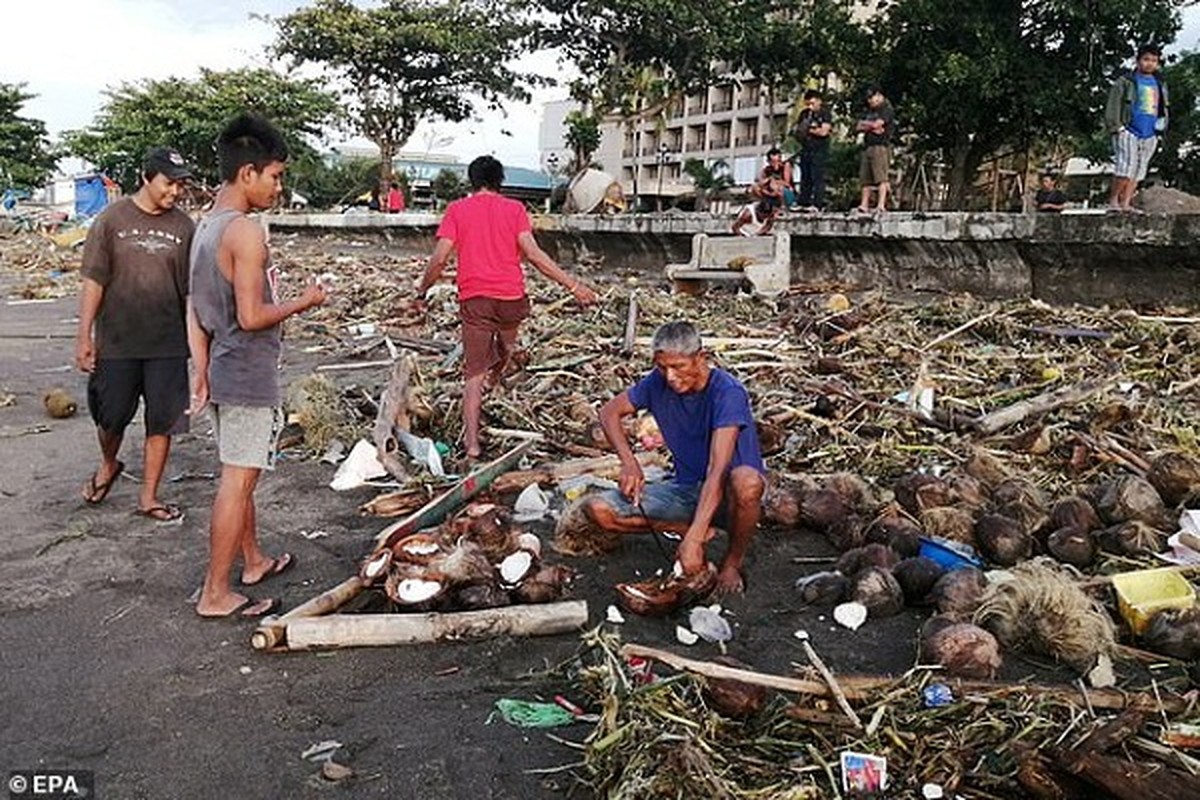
(534, 591)
(1014, 490)
(917, 492)
(1074, 512)
(1002, 541)
(1128, 498)
(490, 527)
(967, 491)
(963, 649)
(949, 522)
(576, 534)
(1175, 476)
(852, 489)
(660, 596)
(1031, 518)
(847, 533)
(870, 555)
(417, 548)
(376, 566)
(781, 505)
(516, 566)
(878, 590)
(986, 468)
(822, 509)
(1134, 538)
(1174, 633)
(530, 542)
(734, 698)
(1072, 545)
(463, 563)
(59, 404)
(771, 437)
(959, 592)
(823, 588)
(917, 577)
(475, 596)
(415, 589)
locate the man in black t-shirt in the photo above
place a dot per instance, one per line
(1048, 198)
(877, 126)
(132, 335)
(812, 131)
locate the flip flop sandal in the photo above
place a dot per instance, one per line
(96, 492)
(161, 513)
(248, 610)
(278, 566)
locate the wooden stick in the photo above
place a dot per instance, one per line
(966, 326)
(864, 687)
(354, 365)
(1042, 404)
(630, 325)
(393, 414)
(456, 496)
(838, 694)
(273, 630)
(366, 630)
(552, 473)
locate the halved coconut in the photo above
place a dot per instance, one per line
(419, 548)
(530, 542)
(516, 566)
(647, 598)
(414, 590)
(376, 566)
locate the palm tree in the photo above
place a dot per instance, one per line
(709, 179)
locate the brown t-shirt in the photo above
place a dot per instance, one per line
(141, 260)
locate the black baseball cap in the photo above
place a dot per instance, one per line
(165, 161)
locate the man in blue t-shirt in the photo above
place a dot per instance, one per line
(705, 419)
(1135, 116)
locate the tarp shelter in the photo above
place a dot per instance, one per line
(91, 195)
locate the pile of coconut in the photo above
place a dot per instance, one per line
(1031, 599)
(479, 559)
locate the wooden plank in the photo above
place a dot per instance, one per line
(440, 507)
(272, 632)
(375, 630)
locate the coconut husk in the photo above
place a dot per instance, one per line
(870, 555)
(490, 527)
(575, 534)
(823, 509)
(1076, 512)
(1128, 498)
(823, 588)
(917, 492)
(1175, 475)
(1002, 540)
(1131, 539)
(771, 438)
(959, 592)
(963, 649)
(659, 596)
(1018, 490)
(847, 533)
(476, 596)
(917, 577)
(1031, 518)
(853, 491)
(59, 404)
(534, 591)
(781, 505)
(968, 491)
(1073, 545)
(462, 564)
(878, 590)
(733, 698)
(986, 468)
(897, 531)
(949, 522)
(316, 404)
(1043, 610)
(1174, 632)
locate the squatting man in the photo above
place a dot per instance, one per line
(705, 418)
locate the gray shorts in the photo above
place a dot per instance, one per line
(1132, 155)
(662, 502)
(247, 435)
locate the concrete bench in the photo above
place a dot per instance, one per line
(763, 261)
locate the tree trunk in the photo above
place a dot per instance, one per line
(965, 160)
(387, 154)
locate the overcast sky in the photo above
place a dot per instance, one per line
(69, 51)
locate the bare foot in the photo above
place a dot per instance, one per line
(729, 581)
(220, 606)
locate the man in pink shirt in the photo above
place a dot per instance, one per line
(491, 235)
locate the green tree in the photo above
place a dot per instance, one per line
(329, 184)
(188, 114)
(974, 79)
(709, 179)
(448, 185)
(1179, 158)
(583, 137)
(405, 61)
(26, 157)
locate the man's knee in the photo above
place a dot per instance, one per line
(746, 486)
(601, 514)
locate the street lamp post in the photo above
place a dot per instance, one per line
(551, 169)
(663, 152)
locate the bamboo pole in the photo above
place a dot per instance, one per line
(272, 632)
(366, 630)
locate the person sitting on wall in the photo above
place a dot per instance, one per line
(1049, 199)
(774, 181)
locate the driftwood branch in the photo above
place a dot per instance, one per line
(1042, 404)
(393, 414)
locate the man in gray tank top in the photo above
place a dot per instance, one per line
(234, 336)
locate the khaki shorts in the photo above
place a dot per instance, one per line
(247, 435)
(876, 161)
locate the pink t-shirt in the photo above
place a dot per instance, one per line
(484, 228)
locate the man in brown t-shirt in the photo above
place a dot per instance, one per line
(132, 336)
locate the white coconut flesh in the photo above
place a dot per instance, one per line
(850, 615)
(516, 566)
(417, 590)
(636, 592)
(421, 547)
(377, 565)
(530, 542)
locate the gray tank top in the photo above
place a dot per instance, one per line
(243, 365)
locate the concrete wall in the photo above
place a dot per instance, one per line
(1082, 258)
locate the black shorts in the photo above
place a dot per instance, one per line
(117, 384)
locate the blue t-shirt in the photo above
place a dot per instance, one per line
(1145, 106)
(688, 420)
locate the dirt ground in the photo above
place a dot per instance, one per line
(107, 668)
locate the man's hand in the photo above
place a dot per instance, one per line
(199, 398)
(314, 295)
(691, 554)
(632, 480)
(85, 354)
(584, 294)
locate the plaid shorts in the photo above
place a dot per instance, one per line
(1132, 155)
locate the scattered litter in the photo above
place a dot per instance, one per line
(863, 773)
(360, 466)
(244, 670)
(707, 623)
(685, 636)
(613, 614)
(310, 535)
(850, 615)
(423, 451)
(335, 772)
(321, 751)
(529, 714)
(531, 504)
(334, 453)
(936, 695)
(932, 791)
(1102, 676)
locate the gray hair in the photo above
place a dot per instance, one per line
(677, 337)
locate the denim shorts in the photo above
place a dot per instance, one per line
(665, 502)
